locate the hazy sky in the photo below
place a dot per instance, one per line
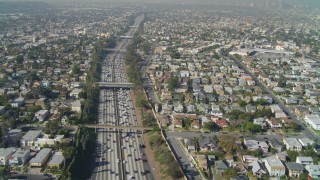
(259, 3)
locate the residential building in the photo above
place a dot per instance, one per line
(56, 161)
(257, 169)
(13, 136)
(274, 123)
(220, 167)
(5, 154)
(46, 141)
(189, 143)
(41, 115)
(313, 120)
(41, 158)
(20, 157)
(277, 145)
(75, 92)
(207, 144)
(2, 110)
(260, 121)
(253, 145)
(76, 106)
(41, 102)
(292, 144)
(17, 102)
(274, 166)
(305, 142)
(223, 123)
(313, 171)
(249, 159)
(304, 160)
(30, 137)
(294, 169)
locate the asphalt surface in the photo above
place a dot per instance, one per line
(118, 155)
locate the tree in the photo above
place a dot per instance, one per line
(303, 176)
(76, 69)
(246, 116)
(228, 143)
(294, 126)
(19, 59)
(83, 95)
(292, 155)
(12, 124)
(253, 128)
(187, 122)
(52, 127)
(211, 126)
(173, 83)
(282, 82)
(230, 173)
(4, 172)
(242, 103)
(196, 144)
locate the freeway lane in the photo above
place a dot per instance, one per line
(118, 152)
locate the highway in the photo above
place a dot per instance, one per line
(120, 153)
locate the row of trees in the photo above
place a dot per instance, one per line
(85, 147)
(237, 114)
(90, 92)
(133, 59)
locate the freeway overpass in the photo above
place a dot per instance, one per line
(126, 37)
(106, 85)
(101, 126)
(115, 50)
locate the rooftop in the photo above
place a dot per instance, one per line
(4, 152)
(274, 161)
(20, 153)
(293, 142)
(31, 135)
(294, 166)
(41, 155)
(304, 158)
(57, 158)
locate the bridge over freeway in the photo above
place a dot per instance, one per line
(115, 85)
(126, 37)
(115, 50)
(117, 127)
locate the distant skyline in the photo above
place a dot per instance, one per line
(246, 3)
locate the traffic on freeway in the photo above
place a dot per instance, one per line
(120, 153)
